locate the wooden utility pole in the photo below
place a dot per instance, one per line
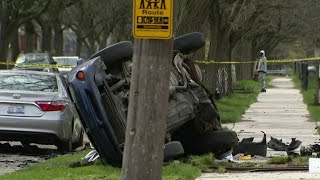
(149, 90)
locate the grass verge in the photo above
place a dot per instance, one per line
(294, 161)
(308, 95)
(233, 106)
(58, 168)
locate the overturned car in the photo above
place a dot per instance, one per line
(100, 90)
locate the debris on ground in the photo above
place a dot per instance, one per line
(248, 147)
(278, 145)
(310, 150)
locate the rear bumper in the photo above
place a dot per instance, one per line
(60, 129)
(87, 98)
(31, 137)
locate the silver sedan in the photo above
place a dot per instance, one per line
(35, 108)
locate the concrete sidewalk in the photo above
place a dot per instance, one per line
(280, 113)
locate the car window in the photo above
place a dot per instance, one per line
(28, 82)
(66, 61)
(33, 59)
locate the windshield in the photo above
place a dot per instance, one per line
(28, 82)
(66, 61)
(33, 58)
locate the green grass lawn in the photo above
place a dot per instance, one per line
(58, 168)
(233, 106)
(308, 96)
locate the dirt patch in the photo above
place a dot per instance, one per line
(14, 156)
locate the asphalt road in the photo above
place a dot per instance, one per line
(14, 157)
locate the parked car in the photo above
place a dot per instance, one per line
(35, 108)
(68, 61)
(312, 68)
(100, 90)
(35, 61)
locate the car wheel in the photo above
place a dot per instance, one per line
(79, 142)
(172, 150)
(216, 142)
(189, 42)
(65, 146)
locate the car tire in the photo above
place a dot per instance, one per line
(65, 146)
(79, 142)
(216, 142)
(189, 42)
(115, 53)
(172, 150)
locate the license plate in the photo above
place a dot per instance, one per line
(15, 109)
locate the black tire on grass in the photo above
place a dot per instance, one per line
(172, 150)
(216, 142)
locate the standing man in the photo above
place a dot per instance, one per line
(262, 69)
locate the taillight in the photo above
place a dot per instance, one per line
(80, 75)
(52, 105)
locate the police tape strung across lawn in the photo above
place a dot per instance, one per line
(249, 62)
(36, 65)
(197, 61)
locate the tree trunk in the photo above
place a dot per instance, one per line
(58, 39)
(46, 38)
(192, 16)
(242, 53)
(149, 93)
(92, 47)
(210, 70)
(103, 41)
(15, 45)
(78, 46)
(29, 30)
(4, 48)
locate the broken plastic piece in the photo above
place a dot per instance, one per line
(247, 146)
(278, 145)
(90, 157)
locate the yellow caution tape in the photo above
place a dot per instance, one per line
(197, 61)
(36, 65)
(249, 62)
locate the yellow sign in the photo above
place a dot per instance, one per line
(152, 19)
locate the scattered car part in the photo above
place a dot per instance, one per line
(247, 146)
(278, 145)
(309, 150)
(90, 157)
(306, 151)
